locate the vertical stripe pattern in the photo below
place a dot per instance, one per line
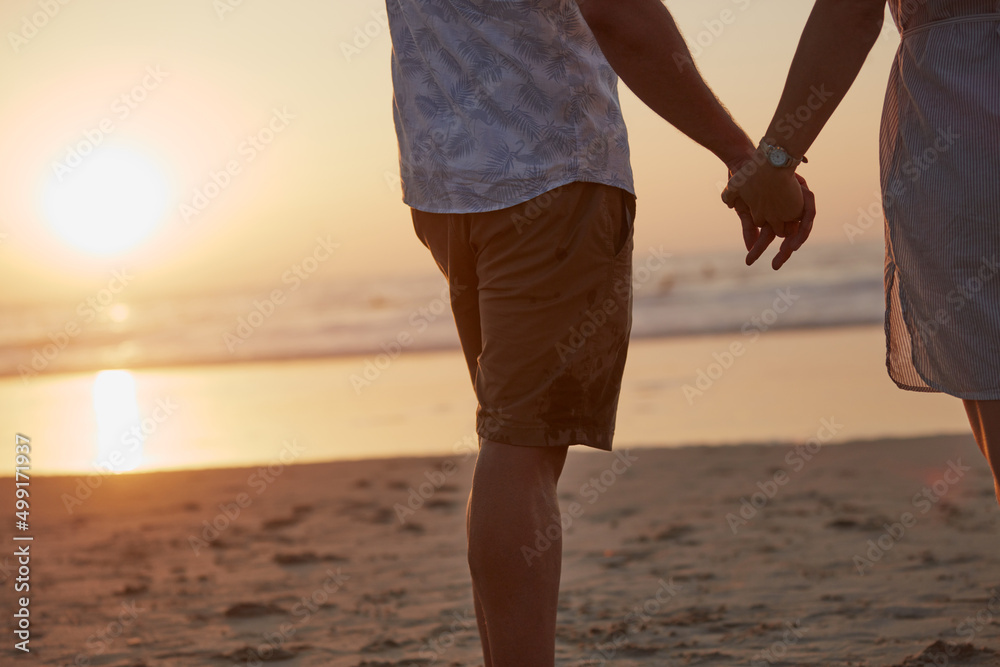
(940, 175)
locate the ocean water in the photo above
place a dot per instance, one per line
(721, 355)
(785, 387)
(833, 285)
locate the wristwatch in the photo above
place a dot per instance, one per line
(777, 156)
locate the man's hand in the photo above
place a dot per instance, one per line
(773, 195)
(757, 240)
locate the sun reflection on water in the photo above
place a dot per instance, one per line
(120, 439)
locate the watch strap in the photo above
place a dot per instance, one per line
(768, 146)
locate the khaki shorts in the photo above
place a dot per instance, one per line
(542, 298)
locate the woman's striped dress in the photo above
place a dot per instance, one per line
(940, 159)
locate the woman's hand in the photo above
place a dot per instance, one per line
(757, 240)
(773, 195)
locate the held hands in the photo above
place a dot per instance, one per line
(771, 202)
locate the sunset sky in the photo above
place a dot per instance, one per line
(173, 92)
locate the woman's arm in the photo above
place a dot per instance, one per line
(835, 43)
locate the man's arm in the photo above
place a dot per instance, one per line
(834, 45)
(642, 43)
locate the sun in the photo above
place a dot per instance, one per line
(112, 200)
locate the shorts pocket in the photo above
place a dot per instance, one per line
(626, 224)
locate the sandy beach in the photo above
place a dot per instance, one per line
(870, 553)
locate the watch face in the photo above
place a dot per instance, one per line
(778, 157)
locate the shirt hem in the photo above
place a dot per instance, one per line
(499, 206)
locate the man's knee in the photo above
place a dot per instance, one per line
(519, 461)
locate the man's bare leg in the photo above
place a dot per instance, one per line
(480, 617)
(513, 496)
(984, 416)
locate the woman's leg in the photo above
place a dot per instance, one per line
(984, 416)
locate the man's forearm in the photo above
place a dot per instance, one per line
(643, 45)
(835, 43)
